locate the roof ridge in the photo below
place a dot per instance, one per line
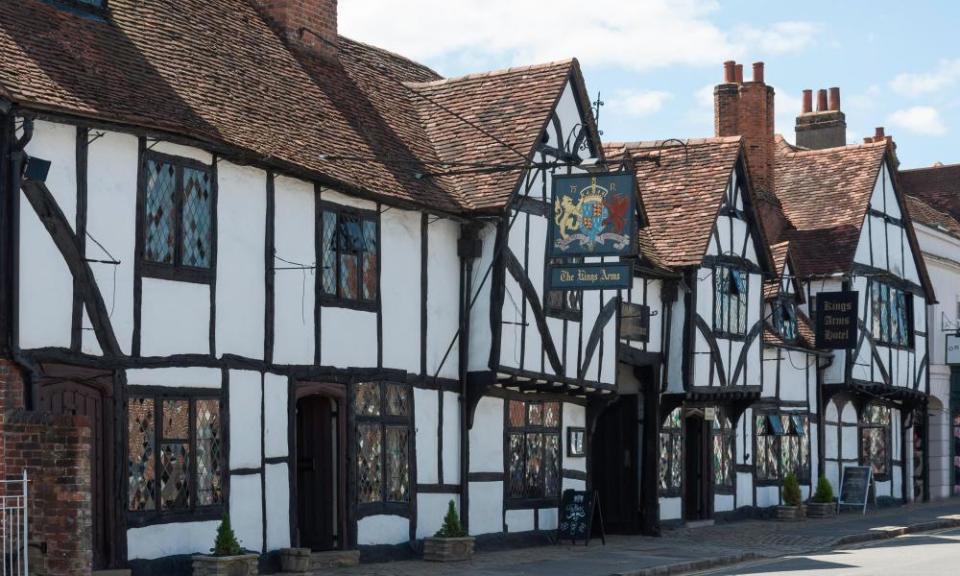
(929, 168)
(797, 151)
(492, 73)
(391, 54)
(673, 142)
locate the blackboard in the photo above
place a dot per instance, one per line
(855, 486)
(576, 516)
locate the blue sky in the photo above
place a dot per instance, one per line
(655, 61)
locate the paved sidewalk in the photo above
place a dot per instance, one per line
(685, 549)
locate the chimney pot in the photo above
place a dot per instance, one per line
(807, 102)
(739, 69)
(878, 134)
(758, 72)
(821, 100)
(729, 72)
(835, 99)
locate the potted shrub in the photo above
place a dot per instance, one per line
(822, 504)
(792, 500)
(451, 543)
(228, 558)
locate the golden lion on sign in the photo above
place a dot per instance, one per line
(567, 216)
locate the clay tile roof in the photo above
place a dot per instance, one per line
(682, 195)
(923, 213)
(938, 187)
(805, 335)
(213, 71)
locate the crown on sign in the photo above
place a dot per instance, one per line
(593, 193)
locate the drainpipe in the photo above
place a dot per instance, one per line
(468, 249)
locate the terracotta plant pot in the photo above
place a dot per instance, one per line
(296, 560)
(448, 549)
(789, 513)
(242, 565)
(821, 510)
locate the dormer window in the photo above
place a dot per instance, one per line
(785, 318)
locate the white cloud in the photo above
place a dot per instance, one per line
(945, 75)
(923, 120)
(638, 103)
(632, 35)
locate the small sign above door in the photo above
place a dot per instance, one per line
(837, 320)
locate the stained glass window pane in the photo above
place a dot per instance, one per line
(209, 473)
(369, 463)
(535, 414)
(398, 400)
(141, 488)
(197, 218)
(664, 461)
(551, 414)
(398, 468)
(675, 418)
(534, 468)
(722, 458)
(367, 399)
(551, 465)
(369, 260)
(160, 202)
(174, 475)
(516, 467)
(676, 472)
(884, 313)
(720, 302)
(329, 256)
(517, 413)
(349, 270)
(176, 420)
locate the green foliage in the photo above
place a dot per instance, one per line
(824, 493)
(451, 524)
(226, 543)
(791, 490)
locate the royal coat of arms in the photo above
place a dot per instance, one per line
(593, 215)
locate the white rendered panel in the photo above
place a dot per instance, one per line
(878, 237)
(723, 502)
(193, 377)
(744, 489)
(426, 413)
(533, 350)
(278, 506)
(443, 288)
(246, 510)
(670, 508)
(741, 236)
(481, 340)
(329, 195)
(519, 520)
(383, 529)
(89, 343)
(241, 233)
(486, 507)
(275, 415)
(294, 290)
(159, 540)
(892, 204)
(608, 347)
(548, 518)
(245, 401)
(486, 437)
(770, 368)
(675, 359)
(174, 318)
(451, 437)
(574, 416)
(400, 288)
(172, 149)
(431, 509)
(348, 338)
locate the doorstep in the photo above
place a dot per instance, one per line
(116, 572)
(698, 523)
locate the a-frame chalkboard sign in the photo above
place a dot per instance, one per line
(576, 517)
(855, 487)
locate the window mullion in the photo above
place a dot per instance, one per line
(178, 215)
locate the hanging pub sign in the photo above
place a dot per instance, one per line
(592, 276)
(593, 215)
(836, 327)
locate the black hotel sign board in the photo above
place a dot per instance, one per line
(593, 276)
(837, 320)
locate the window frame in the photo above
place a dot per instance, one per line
(667, 430)
(176, 270)
(887, 429)
(527, 502)
(194, 512)
(885, 335)
(804, 472)
(384, 420)
(727, 431)
(781, 304)
(566, 311)
(721, 315)
(362, 215)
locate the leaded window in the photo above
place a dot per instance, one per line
(891, 315)
(730, 300)
(671, 454)
(174, 454)
(785, 318)
(566, 304)
(634, 322)
(533, 450)
(350, 256)
(178, 214)
(384, 442)
(875, 439)
(723, 445)
(783, 446)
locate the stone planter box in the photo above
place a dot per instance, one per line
(788, 513)
(448, 549)
(821, 510)
(296, 560)
(242, 565)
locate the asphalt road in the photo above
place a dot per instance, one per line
(927, 554)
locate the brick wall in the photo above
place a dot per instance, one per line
(318, 17)
(746, 109)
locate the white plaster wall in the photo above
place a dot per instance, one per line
(511, 329)
(723, 502)
(45, 283)
(608, 345)
(744, 489)
(576, 416)
(486, 507)
(480, 336)
(278, 506)
(245, 391)
(383, 529)
(768, 496)
(275, 415)
(533, 350)
(329, 195)
(360, 349)
(174, 318)
(193, 377)
(443, 294)
(486, 439)
(548, 518)
(112, 219)
(197, 154)
(241, 234)
(451, 437)
(400, 288)
(431, 509)
(294, 290)
(246, 510)
(675, 355)
(520, 520)
(161, 540)
(426, 414)
(670, 509)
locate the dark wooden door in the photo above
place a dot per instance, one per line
(316, 473)
(696, 478)
(615, 466)
(71, 398)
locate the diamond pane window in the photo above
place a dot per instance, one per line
(160, 211)
(350, 256)
(563, 303)
(551, 465)
(551, 414)
(783, 446)
(398, 400)
(141, 433)
(329, 248)
(515, 466)
(369, 462)
(671, 453)
(730, 300)
(197, 214)
(174, 475)
(209, 474)
(382, 412)
(723, 442)
(176, 419)
(398, 473)
(533, 455)
(369, 260)
(875, 439)
(367, 402)
(535, 414)
(533, 476)
(517, 413)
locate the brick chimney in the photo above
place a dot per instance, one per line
(746, 109)
(825, 128)
(309, 26)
